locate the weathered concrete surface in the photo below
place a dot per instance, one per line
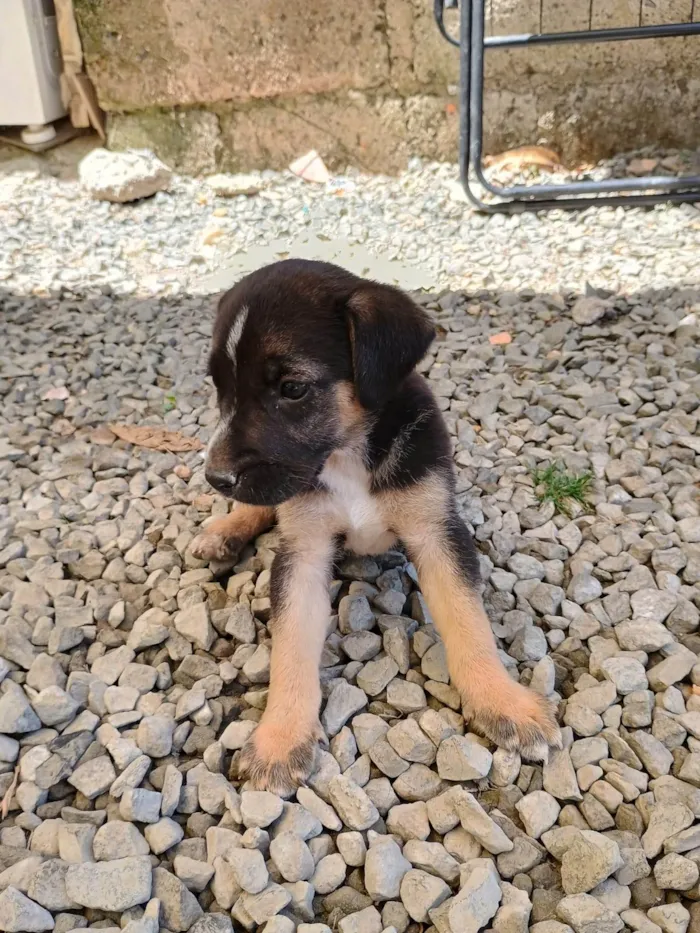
(170, 53)
(240, 85)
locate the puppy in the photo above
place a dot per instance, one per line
(326, 428)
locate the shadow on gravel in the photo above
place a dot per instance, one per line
(580, 378)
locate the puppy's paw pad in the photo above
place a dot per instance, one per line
(210, 545)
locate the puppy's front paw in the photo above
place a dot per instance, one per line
(212, 545)
(518, 719)
(280, 757)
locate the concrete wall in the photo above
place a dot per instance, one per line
(238, 84)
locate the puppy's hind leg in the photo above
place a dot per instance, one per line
(224, 538)
(510, 714)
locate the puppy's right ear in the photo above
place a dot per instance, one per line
(389, 334)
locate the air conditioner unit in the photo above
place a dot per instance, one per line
(30, 68)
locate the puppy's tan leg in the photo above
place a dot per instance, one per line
(225, 537)
(281, 753)
(507, 712)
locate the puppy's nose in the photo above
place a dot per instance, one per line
(222, 482)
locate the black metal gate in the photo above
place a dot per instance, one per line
(473, 44)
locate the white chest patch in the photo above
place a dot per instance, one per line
(354, 511)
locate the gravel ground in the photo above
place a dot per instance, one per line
(132, 673)
(52, 236)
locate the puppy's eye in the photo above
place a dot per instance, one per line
(293, 390)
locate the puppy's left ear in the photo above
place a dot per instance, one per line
(389, 334)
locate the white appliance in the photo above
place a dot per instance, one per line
(30, 68)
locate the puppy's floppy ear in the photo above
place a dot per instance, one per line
(389, 335)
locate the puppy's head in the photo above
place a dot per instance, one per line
(302, 352)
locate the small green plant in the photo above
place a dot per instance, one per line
(554, 483)
(169, 402)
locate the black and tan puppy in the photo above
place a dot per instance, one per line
(326, 428)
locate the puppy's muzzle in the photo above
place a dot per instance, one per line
(225, 483)
(226, 476)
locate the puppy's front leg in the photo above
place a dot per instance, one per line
(281, 752)
(225, 537)
(440, 545)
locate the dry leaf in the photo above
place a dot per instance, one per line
(59, 393)
(7, 799)
(311, 167)
(525, 155)
(500, 340)
(156, 438)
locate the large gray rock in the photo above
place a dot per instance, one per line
(538, 811)
(477, 822)
(16, 714)
(589, 860)
(19, 914)
(94, 777)
(114, 886)
(421, 892)
(213, 923)
(118, 839)
(352, 804)
(460, 758)
(344, 701)
(587, 311)
(259, 808)
(478, 899)
(179, 907)
(249, 869)
(269, 902)
(48, 885)
(154, 736)
(123, 176)
(432, 857)
(385, 867)
(292, 857)
(585, 914)
(513, 916)
(329, 874)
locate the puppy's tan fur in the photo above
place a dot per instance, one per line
(281, 751)
(324, 419)
(223, 538)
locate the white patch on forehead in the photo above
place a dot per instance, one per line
(220, 429)
(235, 334)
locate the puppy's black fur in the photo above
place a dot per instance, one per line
(317, 326)
(326, 427)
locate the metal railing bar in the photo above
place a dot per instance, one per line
(646, 191)
(660, 31)
(652, 183)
